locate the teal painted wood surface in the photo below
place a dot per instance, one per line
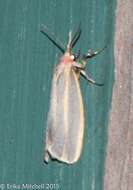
(27, 59)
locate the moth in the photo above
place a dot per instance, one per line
(65, 123)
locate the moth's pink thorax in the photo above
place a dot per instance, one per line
(67, 58)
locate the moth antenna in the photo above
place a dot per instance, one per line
(51, 36)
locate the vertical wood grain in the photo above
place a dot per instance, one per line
(27, 60)
(119, 162)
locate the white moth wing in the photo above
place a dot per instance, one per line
(65, 124)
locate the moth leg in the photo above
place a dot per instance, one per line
(78, 66)
(92, 53)
(90, 80)
(77, 55)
